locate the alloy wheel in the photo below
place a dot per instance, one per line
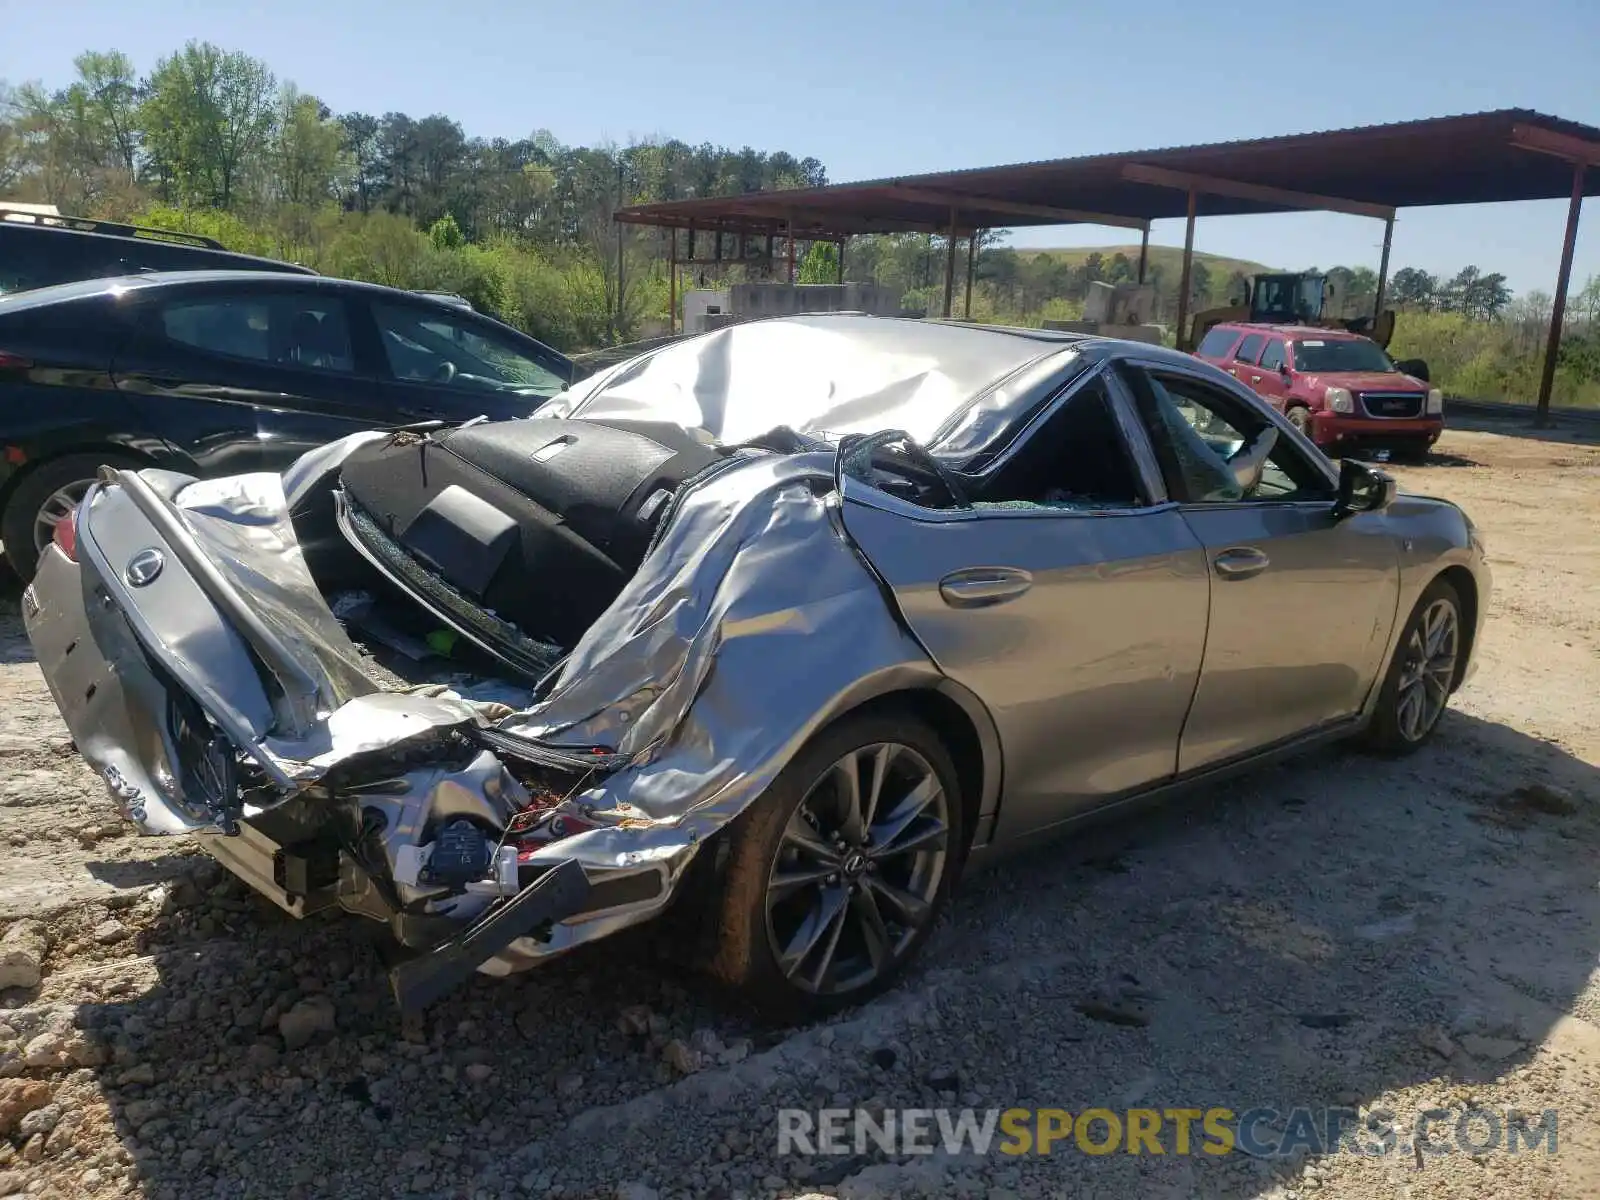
(858, 869)
(59, 504)
(1428, 671)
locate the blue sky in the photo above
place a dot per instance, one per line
(882, 87)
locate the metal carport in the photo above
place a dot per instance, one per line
(1477, 158)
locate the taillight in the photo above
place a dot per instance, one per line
(14, 362)
(66, 535)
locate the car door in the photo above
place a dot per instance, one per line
(1302, 602)
(249, 375)
(454, 365)
(1269, 380)
(1243, 364)
(1075, 611)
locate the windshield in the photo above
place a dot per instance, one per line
(1342, 354)
(438, 350)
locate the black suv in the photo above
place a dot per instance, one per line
(221, 372)
(40, 249)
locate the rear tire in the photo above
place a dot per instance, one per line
(43, 495)
(819, 910)
(1422, 674)
(1300, 417)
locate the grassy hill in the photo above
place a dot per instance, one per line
(1168, 258)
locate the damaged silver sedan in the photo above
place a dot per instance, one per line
(778, 627)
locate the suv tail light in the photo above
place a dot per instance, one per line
(66, 535)
(14, 362)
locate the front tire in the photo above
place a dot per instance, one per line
(1422, 675)
(837, 874)
(45, 496)
(1300, 417)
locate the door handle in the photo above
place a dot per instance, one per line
(1255, 379)
(980, 587)
(1234, 371)
(1242, 562)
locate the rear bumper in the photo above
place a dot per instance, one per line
(1343, 429)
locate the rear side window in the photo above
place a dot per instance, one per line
(1249, 348)
(1217, 343)
(282, 330)
(34, 259)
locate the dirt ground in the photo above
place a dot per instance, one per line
(1338, 931)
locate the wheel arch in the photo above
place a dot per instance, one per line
(56, 453)
(1466, 589)
(967, 731)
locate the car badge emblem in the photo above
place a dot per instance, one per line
(145, 567)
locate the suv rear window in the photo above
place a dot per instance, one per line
(1217, 343)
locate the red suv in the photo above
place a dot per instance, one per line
(1340, 388)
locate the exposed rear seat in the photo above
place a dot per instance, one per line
(541, 520)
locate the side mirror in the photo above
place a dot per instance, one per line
(1414, 367)
(1283, 369)
(1362, 488)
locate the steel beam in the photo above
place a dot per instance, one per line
(1558, 309)
(1183, 284)
(972, 253)
(1383, 268)
(950, 263)
(991, 204)
(1185, 181)
(1562, 145)
(1144, 253)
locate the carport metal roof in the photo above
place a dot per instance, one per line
(1476, 158)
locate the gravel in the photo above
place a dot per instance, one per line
(1338, 930)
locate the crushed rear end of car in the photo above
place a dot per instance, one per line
(205, 677)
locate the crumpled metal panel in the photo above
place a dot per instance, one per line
(750, 623)
(826, 373)
(243, 523)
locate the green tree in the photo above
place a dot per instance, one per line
(111, 92)
(1414, 289)
(820, 265)
(308, 157)
(207, 115)
(445, 234)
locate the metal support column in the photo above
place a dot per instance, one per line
(950, 263)
(1383, 268)
(1144, 251)
(972, 253)
(672, 285)
(842, 243)
(1558, 310)
(616, 316)
(1183, 284)
(788, 228)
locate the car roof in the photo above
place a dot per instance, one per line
(1295, 331)
(156, 279)
(141, 236)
